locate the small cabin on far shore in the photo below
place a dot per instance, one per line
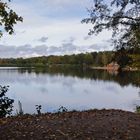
(113, 66)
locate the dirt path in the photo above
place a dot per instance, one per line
(87, 125)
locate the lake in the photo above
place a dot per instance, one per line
(72, 87)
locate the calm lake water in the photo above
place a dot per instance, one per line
(73, 88)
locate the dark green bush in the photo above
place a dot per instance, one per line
(6, 104)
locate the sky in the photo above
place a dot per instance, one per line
(52, 27)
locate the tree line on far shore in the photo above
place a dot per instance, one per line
(123, 57)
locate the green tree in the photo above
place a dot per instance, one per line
(88, 59)
(120, 16)
(121, 57)
(6, 104)
(8, 18)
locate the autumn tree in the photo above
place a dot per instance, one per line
(120, 16)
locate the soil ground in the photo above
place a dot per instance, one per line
(85, 125)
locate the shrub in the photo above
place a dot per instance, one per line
(6, 104)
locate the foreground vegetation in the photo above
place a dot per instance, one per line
(6, 104)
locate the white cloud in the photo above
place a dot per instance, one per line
(57, 32)
(43, 39)
(7, 51)
(63, 30)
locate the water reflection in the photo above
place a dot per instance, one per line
(123, 78)
(71, 87)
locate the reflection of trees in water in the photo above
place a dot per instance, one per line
(123, 78)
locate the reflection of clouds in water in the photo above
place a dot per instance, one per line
(111, 88)
(86, 91)
(136, 102)
(69, 84)
(44, 90)
(51, 91)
